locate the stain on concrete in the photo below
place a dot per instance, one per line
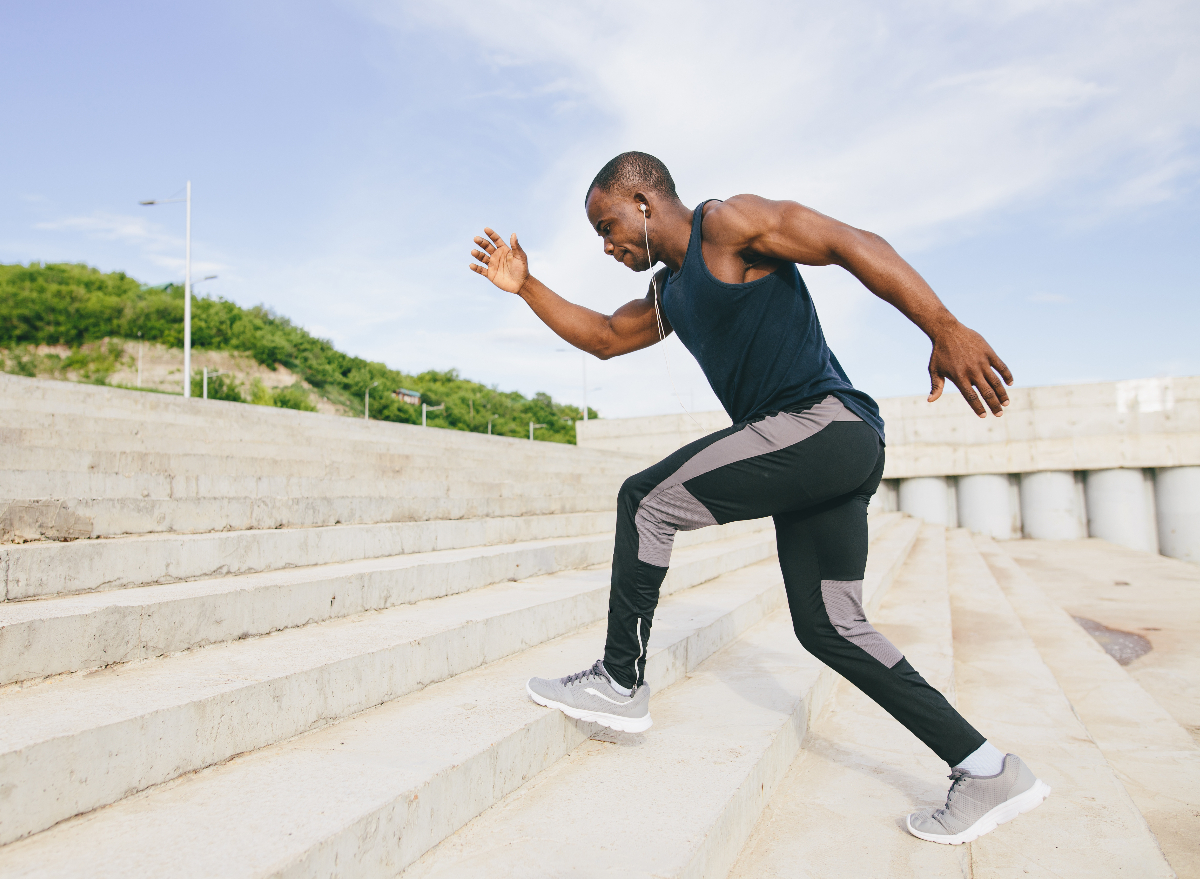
(1124, 647)
(22, 521)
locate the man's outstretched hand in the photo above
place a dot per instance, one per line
(505, 265)
(963, 356)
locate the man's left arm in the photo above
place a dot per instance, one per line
(789, 231)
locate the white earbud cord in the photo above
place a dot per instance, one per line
(662, 335)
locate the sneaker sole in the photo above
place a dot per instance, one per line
(612, 721)
(1002, 814)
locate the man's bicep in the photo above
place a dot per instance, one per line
(632, 327)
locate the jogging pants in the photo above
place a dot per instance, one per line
(814, 472)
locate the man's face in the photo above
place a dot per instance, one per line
(619, 224)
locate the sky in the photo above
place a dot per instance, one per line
(1037, 162)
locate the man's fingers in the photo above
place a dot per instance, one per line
(997, 386)
(485, 244)
(968, 392)
(988, 392)
(999, 366)
(936, 383)
(477, 268)
(479, 255)
(494, 235)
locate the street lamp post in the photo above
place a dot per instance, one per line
(367, 402)
(583, 363)
(187, 289)
(214, 373)
(425, 407)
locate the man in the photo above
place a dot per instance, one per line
(805, 447)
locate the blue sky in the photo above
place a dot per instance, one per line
(1037, 162)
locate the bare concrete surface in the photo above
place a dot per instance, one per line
(77, 742)
(654, 804)
(838, 810)
(1088, 827)
(1153, 756)
(681, 799)
(368, 795)
(1140, 592)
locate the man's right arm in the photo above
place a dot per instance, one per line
(631, 327)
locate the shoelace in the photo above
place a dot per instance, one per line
(956, 777)
(593, 672)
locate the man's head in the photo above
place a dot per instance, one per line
(614, 200)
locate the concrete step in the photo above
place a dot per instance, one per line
(83, 436)
(76, 518)
(71, 744)
(51, 636)
(64, 408)
(35, 570)
(836, 811)
(1089, 826)
(318, 462)
(441, 483)
(1134, 591)
(680, 799)
(76, 633)
(1154, 757)
(369, 794)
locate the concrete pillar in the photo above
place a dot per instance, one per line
(885, 499)
(1051, 506)
(926, 497)
(1177, 505)
(985, 505)
(1120, 508)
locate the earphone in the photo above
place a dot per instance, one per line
(662, 335)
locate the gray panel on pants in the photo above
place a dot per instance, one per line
(843, 603)
(669, 507)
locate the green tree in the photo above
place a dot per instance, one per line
(72, 304)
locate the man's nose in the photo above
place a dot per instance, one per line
(608, 247)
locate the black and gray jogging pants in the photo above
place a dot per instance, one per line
(814, 472)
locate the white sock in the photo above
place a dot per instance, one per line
(622, 690)
(983, 761)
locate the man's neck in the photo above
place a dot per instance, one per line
(672, 234)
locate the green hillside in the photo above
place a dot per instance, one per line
(77, 306)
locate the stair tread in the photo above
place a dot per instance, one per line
(243, 695)
(860, 770)
(1156, 759)
(692, 786)
(1088, 827)
(316, 795)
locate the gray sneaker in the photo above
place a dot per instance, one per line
(588, 695)
(977, 804)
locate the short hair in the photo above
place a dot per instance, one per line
(633, 170)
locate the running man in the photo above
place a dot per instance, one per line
(805, 448)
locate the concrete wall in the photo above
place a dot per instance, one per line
(1115, 460)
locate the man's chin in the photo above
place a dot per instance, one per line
(631, 262)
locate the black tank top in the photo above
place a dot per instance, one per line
(760, 344)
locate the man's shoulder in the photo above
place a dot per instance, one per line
(735, 218)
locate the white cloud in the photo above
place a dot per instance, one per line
(919, 120)
(135, 230)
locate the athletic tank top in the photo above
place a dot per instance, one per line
(760, 344)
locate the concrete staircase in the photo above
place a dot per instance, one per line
(329, 680)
